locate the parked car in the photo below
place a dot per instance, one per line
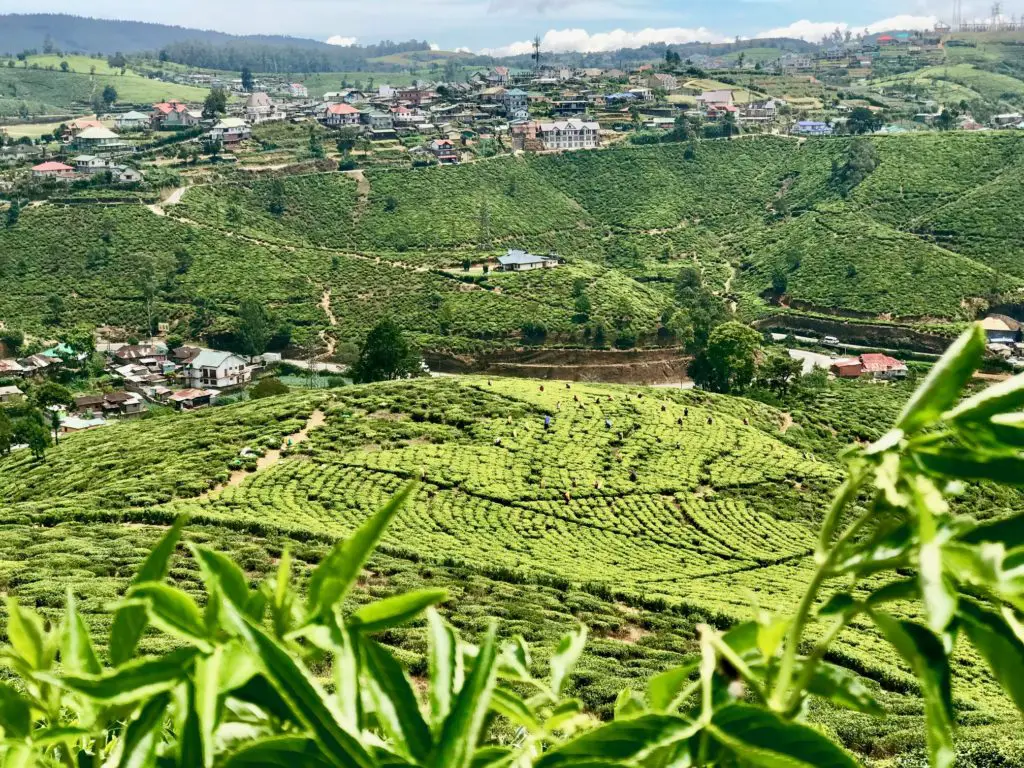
(830, 341)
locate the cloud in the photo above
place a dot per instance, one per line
(434, 46)
(339, 40)
(463, 49)
(564, 40)
(815, 30)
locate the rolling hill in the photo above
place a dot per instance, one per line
(640, 512)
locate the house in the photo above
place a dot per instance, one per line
(759, 112)
(97, 138)
(378, 121)
(174, 116)
(187, 399)
(19, 153)
(516, 104)
(881, 366)
(386, 92)
(124, 175)
(298, 91)
(1007, 119)
(11, 395)
(717, 111)
(10, 368)
(90, 164)
(112, 403)
(793, 61)
(230, 131)
(663, 82)
(445, 152)
(39, 364)
(571, 107)
(259, 108)
(1001, 329)
(53, 170)
(131, 121)
(134, 353)
(849, 368)
(338, 115)
(498, 76)
(69, 424)
(812, 128)
(211, 368)
(569, 134)
(184, 355)
(642, 94)
(521, 261)
(76, 126)
(716, 98)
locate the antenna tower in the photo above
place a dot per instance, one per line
(958, 19)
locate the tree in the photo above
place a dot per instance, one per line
(216, 103)
(729, 362)
(51, 393)
(346, 141)
(147, 283)
(729, 126)
(276, 194)
(109, 95)
(268, 387)
(38, 440)
(64, 66)
(247, 80)
(316, 146)
(55, 426)
(862, 120)
(55, 306)
(12, 338)
(946, 121)
(13, 213)
(6, 433)
(254, 327)
(861, 161)
(778, 371)
(385, 355)
(679, 326)
(705, 310)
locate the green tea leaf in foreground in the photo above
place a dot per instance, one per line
(759, 737)
(395, 611)
(944, 383)
(130, 620)
(622, 740)
(337, 572)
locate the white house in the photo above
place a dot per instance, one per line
(569, 134)
(132, 121)
(97, 138)
(259, 108)
(230, 130)
(90, 164)
(211, 368)
(521, 261)
(298, 91)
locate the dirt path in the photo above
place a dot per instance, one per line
(326, 336)
(270, 458)
(362, 183)
(727, 288)
(787, 422)
(172, 199)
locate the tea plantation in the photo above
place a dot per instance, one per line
(930, 233)
(638, 511)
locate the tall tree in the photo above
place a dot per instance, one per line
(13, 213)
(109, 95)
(385, 355)
(216, 103)
(254, 327)
(729, 362)
(247, 80)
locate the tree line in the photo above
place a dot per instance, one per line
(260, 56)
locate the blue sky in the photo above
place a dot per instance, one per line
(503, 26)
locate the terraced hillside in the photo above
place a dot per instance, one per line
(639, 511)
(933, 212)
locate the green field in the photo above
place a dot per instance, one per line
(46, 91)
(678, 512)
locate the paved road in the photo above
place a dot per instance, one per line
(811, 360)
(318, 366)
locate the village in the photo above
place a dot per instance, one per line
(546, 108)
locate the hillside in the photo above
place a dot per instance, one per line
(677, 512)
(927, 234)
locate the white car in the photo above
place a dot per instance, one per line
(830, 341)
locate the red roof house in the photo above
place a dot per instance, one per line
(340, 114)
(53, 169)
(882, 366)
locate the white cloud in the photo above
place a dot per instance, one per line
(434, 46)
(339, 40)
(563, 40)
(813, 31)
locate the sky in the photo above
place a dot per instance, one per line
(502, 27)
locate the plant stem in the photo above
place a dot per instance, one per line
(825, 556)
